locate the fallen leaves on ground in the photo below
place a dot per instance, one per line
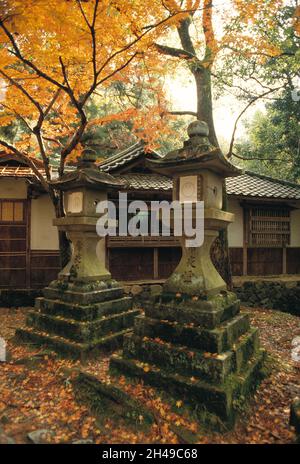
(40, 396)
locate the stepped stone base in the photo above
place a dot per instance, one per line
(79, 319)
(201, 351)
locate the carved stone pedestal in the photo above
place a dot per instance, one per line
(79, 319)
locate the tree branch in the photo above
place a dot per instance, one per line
(21, 88)
(255, 158)
(183, 113)
(17, 52)
(241, 114)
(27, 160)
(177, 52)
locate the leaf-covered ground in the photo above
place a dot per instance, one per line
(36, 393)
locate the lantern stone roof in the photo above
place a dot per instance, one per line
(87, 174)
(125, 157)
(197, 153)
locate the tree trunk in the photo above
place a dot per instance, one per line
(204, 101)
(220, 252)
(64, 243)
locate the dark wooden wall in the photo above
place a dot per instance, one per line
(44, 267)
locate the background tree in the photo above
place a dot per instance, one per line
(273, 138)
(246, 54)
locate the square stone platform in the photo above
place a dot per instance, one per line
(79, 319)
(201, 351)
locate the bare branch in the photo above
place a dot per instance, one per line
(118, 69)
(177, 52)
(255, 158)
(27, 160)
(18, 115)
(253, 100)
(183, 113)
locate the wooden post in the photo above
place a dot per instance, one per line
(284, 266)
(155, 263)
(245, 243)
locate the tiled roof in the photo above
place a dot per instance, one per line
(124, 157)
(147, 182)
(18, 171)
(245, 185)
(255, 185)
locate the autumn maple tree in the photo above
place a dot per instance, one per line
(56, 54)
(227, 46)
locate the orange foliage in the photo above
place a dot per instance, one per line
(55, 54)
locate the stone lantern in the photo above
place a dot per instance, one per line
(84, 310)
(198, 171)
(193, 341)
(83, 189)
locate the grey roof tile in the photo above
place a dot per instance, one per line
(124, 157)
(247, 185)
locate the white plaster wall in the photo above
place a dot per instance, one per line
(295, 228)
(13, 188)
(235, 230)
(44, 235)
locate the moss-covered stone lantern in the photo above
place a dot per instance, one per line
(198, 171)
(83, 188)
(193, 339)
(84, 310)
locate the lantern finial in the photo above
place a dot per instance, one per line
(198, 128)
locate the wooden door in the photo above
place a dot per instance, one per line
(14, 244)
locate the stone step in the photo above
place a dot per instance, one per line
(211, 367)
(247, 347)
(83, 298)
(204, 314)
(178, 358)
(83, 312)
(81, 332)
(68, 348)
(205, 398)
(215, 341)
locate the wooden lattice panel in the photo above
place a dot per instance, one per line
(269, 226)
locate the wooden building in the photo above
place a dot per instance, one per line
(263, 240)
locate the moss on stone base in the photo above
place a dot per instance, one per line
(206, 400)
